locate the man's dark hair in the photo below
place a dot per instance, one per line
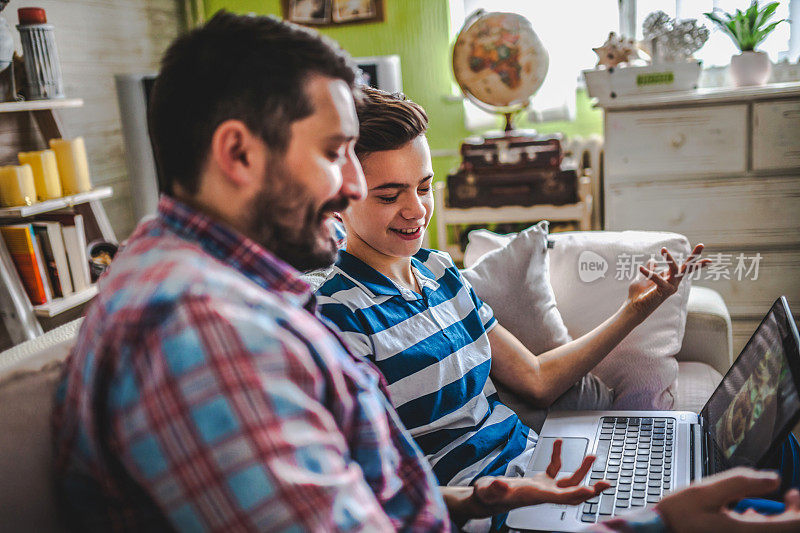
(247, 68)
(387, 121)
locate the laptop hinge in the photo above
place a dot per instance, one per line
(709, 467)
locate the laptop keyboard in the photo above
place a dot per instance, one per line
(634, 455)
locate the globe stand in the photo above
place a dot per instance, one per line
(509, 131)
(509, 117)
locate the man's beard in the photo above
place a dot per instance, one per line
(285, 221)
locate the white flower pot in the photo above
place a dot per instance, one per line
(750, 68)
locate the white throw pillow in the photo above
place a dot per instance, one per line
(483, 241)
(590, 273)
(642, 369)
(513, 280)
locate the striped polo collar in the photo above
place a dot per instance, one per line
(374, 283)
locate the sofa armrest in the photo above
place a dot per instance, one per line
(709, 335)
(33, 354)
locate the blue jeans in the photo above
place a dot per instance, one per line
(786, 461)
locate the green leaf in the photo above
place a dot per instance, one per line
(762, 34)
(737, 32)
(713, 17)
(752, 15)
(766, 13)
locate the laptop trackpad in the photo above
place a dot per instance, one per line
(573, 450)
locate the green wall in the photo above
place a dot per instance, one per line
(419, 32)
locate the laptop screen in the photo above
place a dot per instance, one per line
(758, 399)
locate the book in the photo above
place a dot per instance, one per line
(20, 241)
(52, 242)
(41, 265)
(40, 234)
(75, 245)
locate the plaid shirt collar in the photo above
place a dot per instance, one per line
(240, 252)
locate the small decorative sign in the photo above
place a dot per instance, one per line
(655, 78)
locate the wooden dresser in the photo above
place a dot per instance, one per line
(721, 166)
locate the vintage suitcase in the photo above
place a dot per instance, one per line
(518, 151)
(503, 186)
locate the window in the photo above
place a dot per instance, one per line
(569, 29)
(719, 48)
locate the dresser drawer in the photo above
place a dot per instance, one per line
(736, 212)
(776, 135)
(674, 142)
(762, 276)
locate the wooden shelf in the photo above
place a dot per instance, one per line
(497, 215)
(40, 105)
(59, 305)
(98, 193)
(579, 212)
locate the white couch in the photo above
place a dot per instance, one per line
(29, 372)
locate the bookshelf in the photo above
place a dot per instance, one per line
(19, 316)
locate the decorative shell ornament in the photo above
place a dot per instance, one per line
(616, 50)
(670, 40)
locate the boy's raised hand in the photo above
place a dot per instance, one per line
(646, 294)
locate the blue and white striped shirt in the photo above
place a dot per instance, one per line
(434, 351)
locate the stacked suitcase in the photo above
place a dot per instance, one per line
(513, 169)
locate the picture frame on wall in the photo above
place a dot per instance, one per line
(332, 12)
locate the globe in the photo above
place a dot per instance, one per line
(499, 61)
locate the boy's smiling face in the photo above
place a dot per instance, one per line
(392, 219)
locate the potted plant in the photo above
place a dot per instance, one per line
(747, 29)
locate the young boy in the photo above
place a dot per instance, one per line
(438, 345)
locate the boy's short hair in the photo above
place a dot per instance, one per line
(387, 121)
(248, 68)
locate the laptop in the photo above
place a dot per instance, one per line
(647, 455)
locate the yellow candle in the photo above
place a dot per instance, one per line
(45, 173)
(16, 186)
(73, 167)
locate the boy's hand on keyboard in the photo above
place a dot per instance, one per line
(703, 506)
(493, 495)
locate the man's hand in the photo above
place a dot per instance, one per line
(494, 495)
(645, 295)
(702, 507)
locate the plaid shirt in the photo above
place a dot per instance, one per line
(203, 394)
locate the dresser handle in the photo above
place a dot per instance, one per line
(678, 140)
